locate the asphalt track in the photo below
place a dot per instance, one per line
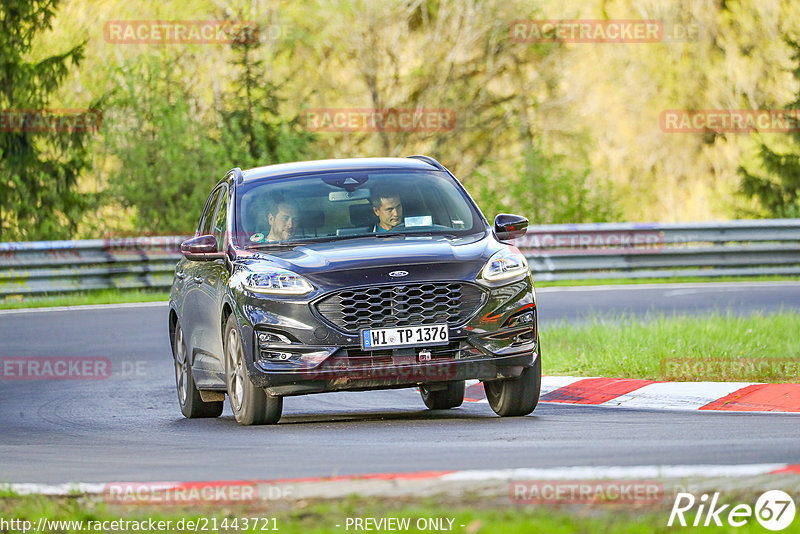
(128, 427)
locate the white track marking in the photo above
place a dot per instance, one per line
(676, 395)
(599, 472)
(86, 307)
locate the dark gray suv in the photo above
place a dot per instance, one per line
(351, 274)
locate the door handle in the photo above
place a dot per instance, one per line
(198, 279)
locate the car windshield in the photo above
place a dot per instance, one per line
(344, 205)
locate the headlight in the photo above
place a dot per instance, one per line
(277, 281)
(505, 265)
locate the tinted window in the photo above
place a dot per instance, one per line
(345, 204)
(221, 219)
(206, 220)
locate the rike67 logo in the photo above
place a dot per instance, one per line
(774, 510)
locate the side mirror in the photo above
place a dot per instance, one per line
(508, 226)
(201, 248)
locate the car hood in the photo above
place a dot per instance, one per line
(369, 260)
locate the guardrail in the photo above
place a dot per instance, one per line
(31, 268)
(663, 250)
(555, 252)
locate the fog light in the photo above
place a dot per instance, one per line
(525, 337)
(282, 356)
(269, 338)
(524, 319)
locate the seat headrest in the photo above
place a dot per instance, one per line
(362, 215)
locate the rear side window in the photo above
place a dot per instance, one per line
(221, 219)
(207, 218)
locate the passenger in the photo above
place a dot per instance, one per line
(388, 208)
(282, 218)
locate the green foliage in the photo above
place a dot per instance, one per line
(255, 132)
(39, 170)
(171, 150)
(167, 162)
(84, 298)
(778, 192)
(560, 132)
(547, 189)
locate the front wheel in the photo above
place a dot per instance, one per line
(192, 405)
(450, 397)
(516, 396)
(251, 405)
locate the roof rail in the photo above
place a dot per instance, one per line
(429, 160)
(237, 175)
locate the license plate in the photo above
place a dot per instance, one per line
(409, 336)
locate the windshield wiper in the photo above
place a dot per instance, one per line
(417, 234)
(277, 244)
(390, 234)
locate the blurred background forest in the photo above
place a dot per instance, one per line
(559, 132)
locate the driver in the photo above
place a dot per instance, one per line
(388, 208)
(282, 218)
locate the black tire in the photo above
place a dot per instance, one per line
(192, 406)
(250, 404)
(443, 399)
(516, 396)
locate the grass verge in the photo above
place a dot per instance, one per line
(475, 515)
(716, 347)
(83, 298)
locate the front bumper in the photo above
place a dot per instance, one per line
(347, 378)
(303, 353)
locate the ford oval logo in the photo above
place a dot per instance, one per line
(398, 274)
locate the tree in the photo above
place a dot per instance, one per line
(172, 148)
(548, 190)
(778, 192)
(167, 162)
(39, 165)
(256, 131)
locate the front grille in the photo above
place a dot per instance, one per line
(401, 305)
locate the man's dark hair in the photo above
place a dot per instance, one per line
(274, 206)
(379, 193)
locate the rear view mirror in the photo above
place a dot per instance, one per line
(201, 248)
(340, 196)
(507, 226)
